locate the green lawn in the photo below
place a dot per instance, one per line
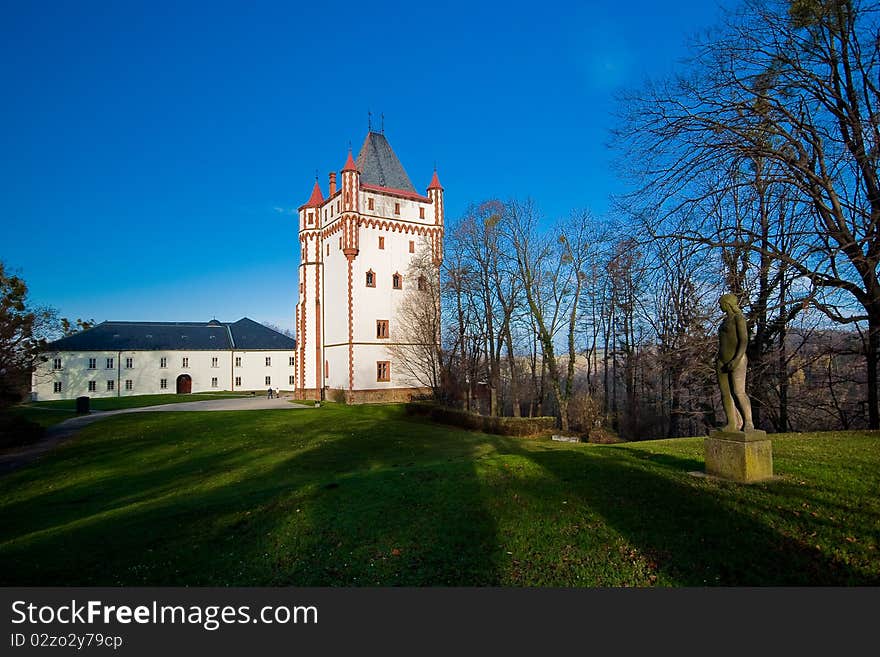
(364, 495)
(135, 401)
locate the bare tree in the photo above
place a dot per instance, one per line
(417, 349)
(550, 265)
(794, 85)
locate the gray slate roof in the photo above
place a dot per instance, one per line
(244, 334)
(379, 165)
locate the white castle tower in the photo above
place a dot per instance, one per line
(355, 249)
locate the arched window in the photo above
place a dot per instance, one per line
(397, 281)
(371, 279)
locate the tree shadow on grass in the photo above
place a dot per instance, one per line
(357, 505)
(695, 537)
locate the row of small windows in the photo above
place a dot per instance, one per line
(371, 205)
(396, 281)
(57, 386)
(163, 362)
(412, 245)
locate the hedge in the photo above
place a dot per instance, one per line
(16, 431)
(505, 426)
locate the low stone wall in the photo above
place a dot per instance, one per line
(505, 426)
(381, 396)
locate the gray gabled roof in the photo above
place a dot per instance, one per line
(174, 336)
(248, 334)
(379, 165)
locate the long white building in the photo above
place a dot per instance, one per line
(115, 359)
(355, 250)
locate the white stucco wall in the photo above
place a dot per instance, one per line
(146, 372)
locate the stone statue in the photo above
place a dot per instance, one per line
(730, 366)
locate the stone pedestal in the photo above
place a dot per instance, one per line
(743, 456)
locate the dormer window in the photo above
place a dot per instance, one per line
(371, 278)
(397, 281)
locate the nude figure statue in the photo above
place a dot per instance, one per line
(730, 366)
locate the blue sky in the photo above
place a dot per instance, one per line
(152, 153)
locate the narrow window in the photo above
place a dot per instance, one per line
(397, 281)
(268, 380)
(93, 386)
(56, 387)
(421, 213)
(326, 371)
(370, 204)
(397, 208)
(129, 363)
(337, 206)
(238, 361)
(381, 328)
(292, 361)
(163, 384)
(163, 362)
(111, 384)
(185, 362)
(93, 363)
(328, 249)
(215, 362)
(128, 384)
(238, 381)
(213, 381)
(56, 365)
(109, 363)
(383, 370)
(268, 361)
(412, 246)
(290, 380)
(381, 242)
(371, 279)
(340, 241)
(311, 218)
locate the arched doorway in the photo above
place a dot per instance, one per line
(184, 384)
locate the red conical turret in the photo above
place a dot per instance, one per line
(435, 182)
(349, 163)
(317, 198)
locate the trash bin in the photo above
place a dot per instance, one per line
(82, 405)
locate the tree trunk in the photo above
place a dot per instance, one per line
(514, 379)
(871, 356)
(782, 373)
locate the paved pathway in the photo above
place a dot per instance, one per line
(15, 458)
